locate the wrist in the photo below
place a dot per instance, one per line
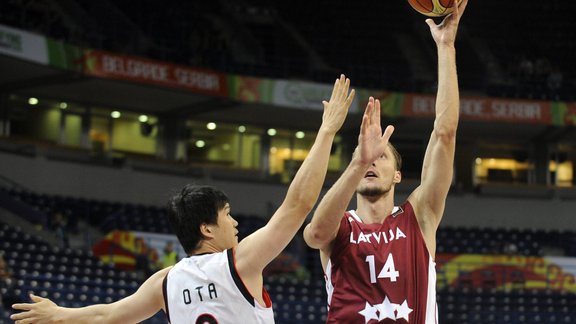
(357, 163)
(446, 47)
(324, 130)
(58, 316)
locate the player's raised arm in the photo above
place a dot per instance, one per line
(322, 230)
(260, 248)
(437, 169)
(143, 304)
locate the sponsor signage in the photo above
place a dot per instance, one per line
(23, 45)
(484, 109)
(302, 94)
(136, 69)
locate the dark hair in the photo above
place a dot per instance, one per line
(397, 156)
(193, 206)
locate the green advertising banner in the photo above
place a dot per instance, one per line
(65, 56)
(250, 89)
(563, 114)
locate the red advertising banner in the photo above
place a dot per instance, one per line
(484, 109)
(136, 69)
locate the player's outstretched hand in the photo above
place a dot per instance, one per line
(336, 109)
(41, 311)
(445, 32)
(371, 142)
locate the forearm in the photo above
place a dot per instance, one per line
(438, 161)
(300, 199)
(326, 219)
(447, 99)
(307, 183)
(144, 303)
(88, 314)
(133, 309)
(258, 249)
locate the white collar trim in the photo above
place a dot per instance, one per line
(358, 219)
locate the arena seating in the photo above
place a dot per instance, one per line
(70, 277)
(516, 306)
(124, 216)
(76, 278)
(297, 301)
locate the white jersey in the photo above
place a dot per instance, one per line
(207, 289)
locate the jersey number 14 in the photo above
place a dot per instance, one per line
(388, 270)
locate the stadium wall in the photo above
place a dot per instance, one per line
(126, 184)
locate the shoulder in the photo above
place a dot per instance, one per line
(414, 203)
(153, 286)
(404, 208)
(161, 274)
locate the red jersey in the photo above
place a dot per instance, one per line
(381, 273)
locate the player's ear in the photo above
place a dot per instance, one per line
(206, 230)
(397, 176)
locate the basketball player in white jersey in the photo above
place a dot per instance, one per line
(221, 279)
(379, 259)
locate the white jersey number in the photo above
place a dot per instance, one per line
(388, 270)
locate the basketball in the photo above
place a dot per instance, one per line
(433, 8)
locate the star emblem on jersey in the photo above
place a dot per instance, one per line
(386, 310)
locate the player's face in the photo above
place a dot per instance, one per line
(226, 232)
(380, 177)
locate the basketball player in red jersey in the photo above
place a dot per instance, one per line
(221, 279)
(379, 259)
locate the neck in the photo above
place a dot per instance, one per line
(205, 248)
(375, 209)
